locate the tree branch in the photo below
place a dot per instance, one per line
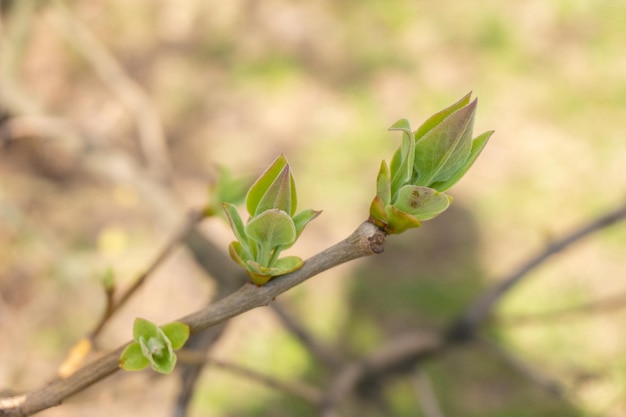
(465, 326)
(366, 240)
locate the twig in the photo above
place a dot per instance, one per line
(151, 134)
(426, 394)
(193, 218)
(79, 352)
(366, 240)
(465, 326)
(298, 389)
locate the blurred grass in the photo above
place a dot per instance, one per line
(238, 82)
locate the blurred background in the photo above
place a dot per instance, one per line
(115, 115)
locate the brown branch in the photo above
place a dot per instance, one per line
(467, 324)
(366, 240)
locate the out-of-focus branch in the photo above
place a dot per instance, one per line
(605, 305)
(13, 40)
(151, 133)
(366, 240)
(399, 355)
(467, 324)
(296, 388)
(547, 384)
(330, 358)
(426, 394)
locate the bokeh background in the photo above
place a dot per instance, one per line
(237, 82)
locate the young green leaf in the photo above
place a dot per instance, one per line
(272, 228)
(383, 184)
(132, 358)
(403, 159)
(477, 146)
(399, 221)
(445, 148)
(177, 333)
(278, 195)
(421, 202)
(263, 183)
(303, 218)
(235, 223)
(438, 117)
(145, 328)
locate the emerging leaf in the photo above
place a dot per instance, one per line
(272, 228)
(445, 148)
(132, 358)
(477, 146)
(144, 328)
(177, 333)
(235, 222)
(303, 218)
(400, 221)
(421, 202)
(403, 159)
(383, 184)
(438, 117)
(265, 181)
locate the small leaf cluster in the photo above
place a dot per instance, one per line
(272, 227)
(429, 161)
(154, 346)
(227, 188)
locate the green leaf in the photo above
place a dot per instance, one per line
(263, 183)
(236, 223)
(378, 213)
(303, 218)
(239, 254)
(278, 195)
(144, 328)
(287, 264)
(383, 184)
(438, 117)
(272, 228)
(445, 148)
(260, 275)
(477, 146)
(165, 366)
(229, 189)
(400, 221)
(402, 163)
(177, 333)
(421, 202)
(132, 358)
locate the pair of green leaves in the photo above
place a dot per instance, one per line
(273, 225)
(154, 346)
(428, 162)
